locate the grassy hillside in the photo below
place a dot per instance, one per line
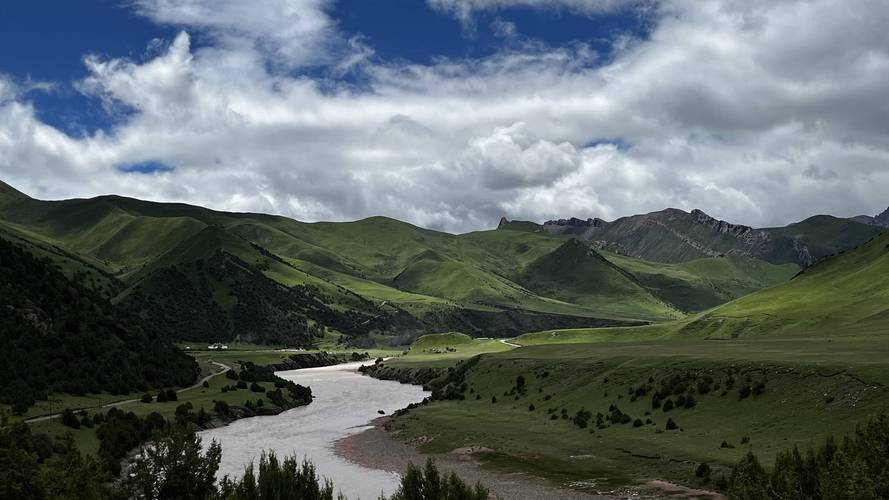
(524, 408)
(376, 266)
(576, 273)
(704, 283)
(825, 235)
(842, 294)
(401, 279)
(76, 338)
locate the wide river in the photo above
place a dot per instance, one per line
(345, 403)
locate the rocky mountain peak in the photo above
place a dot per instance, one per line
(575, 222)
(882, 219)
(720, 226)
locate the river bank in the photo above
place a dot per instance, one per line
(377, 448)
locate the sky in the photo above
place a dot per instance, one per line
(450, 114)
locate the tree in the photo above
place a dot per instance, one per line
(69, 419)
(173, 466)
(671, 425)
(146, 398)
(749, 480)
(429, 484)
(703, 471)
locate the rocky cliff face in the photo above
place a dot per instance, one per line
(674, 235)
(882, 220)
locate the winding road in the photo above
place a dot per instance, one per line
(224, 368)
(504, 341)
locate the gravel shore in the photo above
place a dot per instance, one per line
(377, 449)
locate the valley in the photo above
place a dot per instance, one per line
(601, 358)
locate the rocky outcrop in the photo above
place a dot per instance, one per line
(882, 220)
(574, 221)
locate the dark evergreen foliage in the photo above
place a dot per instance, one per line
(81, 342)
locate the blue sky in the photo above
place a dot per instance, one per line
(452, 113)
(46, 40)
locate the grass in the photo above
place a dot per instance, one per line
(814, 388)
(382, 260)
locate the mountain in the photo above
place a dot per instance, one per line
(673, 236)
(845, 293)
(576, 273)
(7, 191)
(209, 275)
(205, 275)
(882, 220)
(80, 341)
(825, 235)
(700, 284)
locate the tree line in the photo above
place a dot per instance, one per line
(175, 466)
(855, 468)
(57, 335)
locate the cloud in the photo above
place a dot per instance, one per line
(464, 9)
(741, 108)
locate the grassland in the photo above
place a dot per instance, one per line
(813, 388)
(375, 262)
(814, 345)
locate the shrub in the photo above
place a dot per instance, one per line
(703, 471)
(637, 422)
(690, 401)
(668, 405)
(726, 444)
(161, 397)
(69, 419)
(146, 398)
(493, 399)
(221, 407)
(531, 407)
(671, 425)
(206, 384)
(254, 387)
(241, 384)
(744, 391)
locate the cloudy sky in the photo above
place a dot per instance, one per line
(452, 113)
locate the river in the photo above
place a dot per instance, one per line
(345, 403)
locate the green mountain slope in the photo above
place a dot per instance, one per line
(78, 339)
(207, 271)
(826, 235)
(575, 272)
(704, 283)
(842, 294)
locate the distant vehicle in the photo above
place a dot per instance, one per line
(217, 347)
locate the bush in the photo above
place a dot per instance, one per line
(671, 425)
(161, 397)
(221, 407)
(531, 407)
(69, 419)
(428, 483)
(146, 398)
(690, 401)
(241, 384)
(254, 387)
(637, 422)
(744, 391)
(703, 471)
(205, 384)
(668, 405)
